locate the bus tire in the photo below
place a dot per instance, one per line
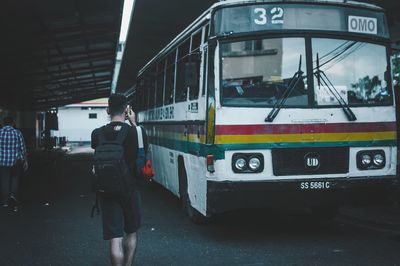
(195, 216)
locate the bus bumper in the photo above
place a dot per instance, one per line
(229, 195)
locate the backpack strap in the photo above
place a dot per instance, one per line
(140, 137)
(101, 136)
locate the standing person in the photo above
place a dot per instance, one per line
(12, 154)
(121, 214)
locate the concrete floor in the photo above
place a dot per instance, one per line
(53, 227)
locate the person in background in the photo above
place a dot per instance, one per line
(12, 155)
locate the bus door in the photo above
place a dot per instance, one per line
(195, 114)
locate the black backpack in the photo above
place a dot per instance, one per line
(111, 173)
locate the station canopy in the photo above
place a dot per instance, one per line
(155, 23)
(57, 52)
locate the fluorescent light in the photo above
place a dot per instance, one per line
(126, 18)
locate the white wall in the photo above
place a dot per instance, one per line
(74, 123)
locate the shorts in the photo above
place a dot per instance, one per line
(120, 215)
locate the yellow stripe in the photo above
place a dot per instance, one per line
(195, 138)
(320, 137)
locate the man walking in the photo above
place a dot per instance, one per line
(121, 214)
(12, 154)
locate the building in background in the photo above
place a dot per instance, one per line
(77, 121)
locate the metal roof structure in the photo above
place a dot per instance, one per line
(155, 23)
(56, 52)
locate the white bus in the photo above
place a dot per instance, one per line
(273, 103)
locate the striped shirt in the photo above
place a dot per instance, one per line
(12, 146)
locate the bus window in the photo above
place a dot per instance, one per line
(138, 104)
(192, 69)
(206, 32)
(192, 75)
(183, 58)
(160, 83)
(257, 73)
(170, 78)
(152, 88)
(196, 41)
(145, 93)
(356, 70)
(203, 91)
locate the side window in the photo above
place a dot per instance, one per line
(192, 75)
(203, 91)
(170, 78)
(152, 87)
(92, 115)
(160, 83)
(192, 68)
(183, 58)
(145, 92)
(206, 32)
(196, 41)
(138, 105)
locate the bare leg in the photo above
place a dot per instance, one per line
(129, 242)
(117, 252)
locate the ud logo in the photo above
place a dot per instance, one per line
(312, 161)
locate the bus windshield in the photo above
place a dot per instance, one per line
(256, 73)
(357, 70)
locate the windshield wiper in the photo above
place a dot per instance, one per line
(321, 76)
(297, 77)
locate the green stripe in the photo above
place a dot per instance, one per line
(219, 150)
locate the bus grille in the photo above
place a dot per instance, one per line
(310, 161)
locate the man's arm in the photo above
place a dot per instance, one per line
(22, 145)
(131, 117)
(23, 150)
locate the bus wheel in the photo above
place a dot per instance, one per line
(195, 216)
(324, 213)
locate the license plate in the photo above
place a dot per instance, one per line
(315, 185)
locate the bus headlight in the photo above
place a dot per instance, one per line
(254, 163)
(379, 159)
(240, 164)
(371, 160)
(247, 163)
(366, 159)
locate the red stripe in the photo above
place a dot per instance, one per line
(304, 128)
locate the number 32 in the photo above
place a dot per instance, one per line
(276, 12)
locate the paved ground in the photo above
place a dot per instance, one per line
(53, 227)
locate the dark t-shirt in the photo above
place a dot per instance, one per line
(130, 144)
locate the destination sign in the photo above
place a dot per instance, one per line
(275, 17)
(363, 25)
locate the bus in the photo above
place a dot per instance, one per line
(273, 103)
